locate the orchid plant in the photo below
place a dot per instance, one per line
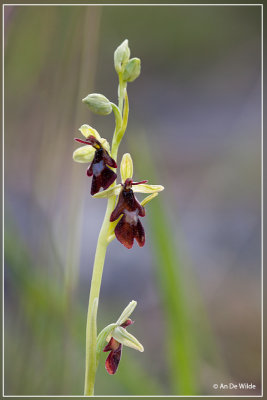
(121, 219)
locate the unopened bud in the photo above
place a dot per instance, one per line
(121, 56)
(98, 103)
(132, 70)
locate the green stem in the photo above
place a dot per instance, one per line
(101, 249)
(102, 244)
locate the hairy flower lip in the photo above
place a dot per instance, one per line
(129, 227)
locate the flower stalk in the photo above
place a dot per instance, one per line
(103, 242)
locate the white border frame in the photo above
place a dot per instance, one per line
(3, 275)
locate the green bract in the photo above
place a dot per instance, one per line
(132, 70)
(98, 103)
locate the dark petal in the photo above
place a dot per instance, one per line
(113, 360)
(112, 345)
(142, 211)
(139, 234)
(108, 177)
(118, 209)
(96, 184)
(127, 323)
(138, 183)
(125, 233)
(108, 160)
(81, 141)
(91, 140)
(90, 170)
(104, 180)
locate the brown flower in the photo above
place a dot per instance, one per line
(129, 226)
(103, 176)
(115, 348)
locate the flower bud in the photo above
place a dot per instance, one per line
(132, 70)
(121, 56)
(98, 103)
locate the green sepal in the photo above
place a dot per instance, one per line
(87, 130)
(124, 337)
(126, 167)
(145, 188)
(127, 312)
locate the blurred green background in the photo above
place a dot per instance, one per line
(195, 127)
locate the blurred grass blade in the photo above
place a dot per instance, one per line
(179, 332)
